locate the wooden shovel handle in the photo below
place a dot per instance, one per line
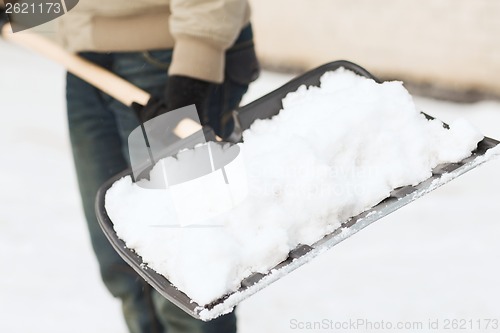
(97, 76)
(102, 79)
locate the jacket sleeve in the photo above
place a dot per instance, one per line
(203, 30)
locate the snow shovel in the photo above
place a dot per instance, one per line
(266, 107)
(263, 108)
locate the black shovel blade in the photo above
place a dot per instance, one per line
(266, 107)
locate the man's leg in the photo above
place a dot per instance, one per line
(99, 127)
(97, 150)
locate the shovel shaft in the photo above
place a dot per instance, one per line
(102, 79)
(111, 84)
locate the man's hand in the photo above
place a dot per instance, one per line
(180, 91)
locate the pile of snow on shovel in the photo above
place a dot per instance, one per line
(332, 152)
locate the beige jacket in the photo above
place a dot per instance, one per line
(200, 29)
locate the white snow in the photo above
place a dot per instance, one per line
(434, 259)
(331, 153)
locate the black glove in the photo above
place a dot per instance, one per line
(3, 18)
(180, 91)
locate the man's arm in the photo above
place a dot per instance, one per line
(203, 30)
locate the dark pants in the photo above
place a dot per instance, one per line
(99, 127)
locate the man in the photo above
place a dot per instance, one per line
(182, 52)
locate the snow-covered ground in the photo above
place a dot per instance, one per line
(436, 259)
